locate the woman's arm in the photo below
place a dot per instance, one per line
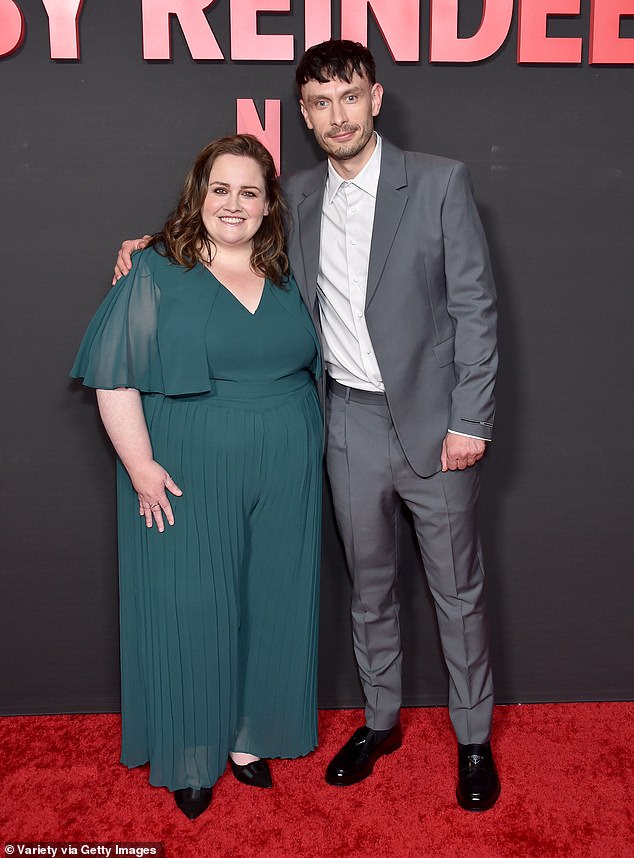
(122, 416)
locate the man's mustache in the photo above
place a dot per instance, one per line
(342, 129)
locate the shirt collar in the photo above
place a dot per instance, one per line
(367, 179)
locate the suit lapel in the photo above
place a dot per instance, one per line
(309, 217)
(391, 199)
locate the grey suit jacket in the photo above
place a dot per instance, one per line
(430, 305)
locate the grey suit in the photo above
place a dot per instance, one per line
(430, 312)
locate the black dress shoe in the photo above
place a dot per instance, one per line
(478, 783)
(255, 774)
(356, 759)
(192, 801)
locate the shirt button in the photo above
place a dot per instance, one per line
(353, 241)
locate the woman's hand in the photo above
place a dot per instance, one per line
(152, 482)
(122, 415)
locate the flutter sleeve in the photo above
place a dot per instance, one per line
(120, 347)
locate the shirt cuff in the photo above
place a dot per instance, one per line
(466, 435)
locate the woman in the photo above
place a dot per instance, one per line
(204, 361)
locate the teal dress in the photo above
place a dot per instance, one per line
(218, 614)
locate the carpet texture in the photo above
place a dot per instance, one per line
(565, 770)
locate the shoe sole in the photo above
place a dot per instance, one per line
(361, 776)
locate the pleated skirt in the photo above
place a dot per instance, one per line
(218, 614)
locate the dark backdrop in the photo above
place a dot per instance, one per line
(95, 151)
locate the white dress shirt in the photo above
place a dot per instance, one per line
(347, 219)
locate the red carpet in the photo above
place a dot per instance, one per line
(565, 771)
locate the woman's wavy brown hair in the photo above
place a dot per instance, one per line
(184, 238)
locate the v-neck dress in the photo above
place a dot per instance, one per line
(218, 614)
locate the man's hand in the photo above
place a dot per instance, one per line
(124, 257)
(460, 452)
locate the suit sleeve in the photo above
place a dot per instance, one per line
(471, 303)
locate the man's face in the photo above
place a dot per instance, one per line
(341, 115)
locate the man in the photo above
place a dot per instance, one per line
(390, 256)
(391, 260)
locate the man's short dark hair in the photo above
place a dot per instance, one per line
(336, 59)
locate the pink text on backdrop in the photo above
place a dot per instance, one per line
(398, 23)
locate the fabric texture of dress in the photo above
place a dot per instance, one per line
(218, 614)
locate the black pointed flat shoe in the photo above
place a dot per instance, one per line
(255, 774)
(192, 801)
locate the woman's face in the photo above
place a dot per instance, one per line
(236, 201)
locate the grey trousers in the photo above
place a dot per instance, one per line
(370, 477)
